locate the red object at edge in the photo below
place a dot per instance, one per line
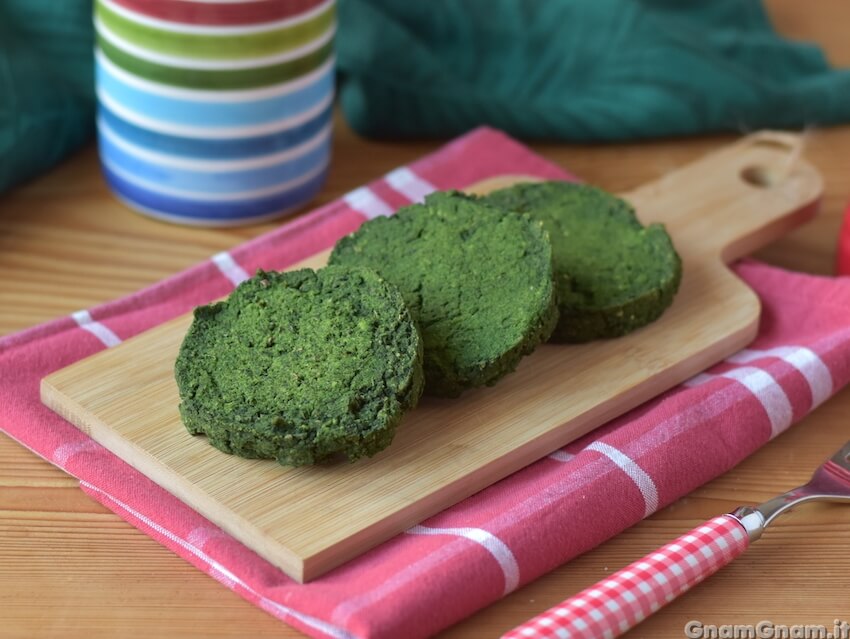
(842, 262)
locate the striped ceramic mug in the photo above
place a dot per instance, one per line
(215, 112)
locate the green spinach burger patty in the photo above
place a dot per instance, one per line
(477, 280)
(613, 275)
(301, 366)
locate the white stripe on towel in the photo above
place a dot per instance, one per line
(366, 202)
(499, 549)
(229, 268)
(561, 456)
(64, 452)
(803, 359)
(637, 474)
(410, 185)
(100, 331)
(764, 388)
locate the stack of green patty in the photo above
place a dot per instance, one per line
(311, 365)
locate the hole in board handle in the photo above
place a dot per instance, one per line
(764, 177)
(759, 176)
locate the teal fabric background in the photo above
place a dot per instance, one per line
(556, 69)
(46, 84)
(578, 69)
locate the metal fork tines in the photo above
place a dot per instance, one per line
(830, 482)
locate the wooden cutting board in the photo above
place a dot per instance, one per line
(310, 520)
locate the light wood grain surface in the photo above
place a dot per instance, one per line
(69, 568)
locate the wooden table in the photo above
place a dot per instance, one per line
(70, 568)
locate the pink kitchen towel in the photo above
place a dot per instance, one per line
(470, 555)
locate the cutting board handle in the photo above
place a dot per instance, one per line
(755, 191)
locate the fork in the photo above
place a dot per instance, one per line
(621, 601)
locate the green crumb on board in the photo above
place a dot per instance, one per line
(301, 366)
(478, 281)
(613, 275)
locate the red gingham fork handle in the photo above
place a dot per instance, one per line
(627, 597)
